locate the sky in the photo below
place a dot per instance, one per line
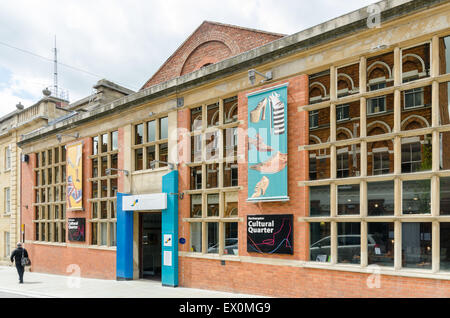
(124, 41)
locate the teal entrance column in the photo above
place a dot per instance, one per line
(169, 231)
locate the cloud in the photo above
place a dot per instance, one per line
(125, 42)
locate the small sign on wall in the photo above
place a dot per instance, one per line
(76, 229)
(270, 234)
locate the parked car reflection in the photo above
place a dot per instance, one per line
(349, 248)
(231, 247)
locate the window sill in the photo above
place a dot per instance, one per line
(233, 258)
(382, 270)
(103, 248)
(47, 243)
(138, 172)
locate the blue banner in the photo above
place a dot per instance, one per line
(267, 145)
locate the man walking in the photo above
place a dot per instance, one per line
(17, 255)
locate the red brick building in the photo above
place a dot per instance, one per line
(365, 119)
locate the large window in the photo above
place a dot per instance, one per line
(50, 201)
(392, 207)
(214, 180)
(150, 147)
(104, 159)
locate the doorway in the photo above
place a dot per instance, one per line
(150, 245)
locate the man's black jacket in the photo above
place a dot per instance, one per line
(17, 255)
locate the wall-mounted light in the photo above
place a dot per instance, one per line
(108, 171)
(169, 164)
(59, 136)
(252, 76)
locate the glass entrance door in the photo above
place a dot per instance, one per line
(150, 247)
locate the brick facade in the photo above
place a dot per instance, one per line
(210, 43)
(72, 258)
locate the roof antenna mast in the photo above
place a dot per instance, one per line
(55, 73)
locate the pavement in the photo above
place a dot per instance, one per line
(39, 285)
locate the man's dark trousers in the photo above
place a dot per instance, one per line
(20, 271)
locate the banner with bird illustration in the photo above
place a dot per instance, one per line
(74, 176)
(267, 144)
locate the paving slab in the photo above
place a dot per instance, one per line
(59, 286)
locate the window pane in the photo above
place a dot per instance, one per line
(348, 199)
(231, 239)
(196, 118)
(319, 242)
(445, 196)
(114, 162)
(416, 197)
(95, 210)
(348, 80)
(213, 204)
(94, 189)
(230, 174)
(94, 233)
(151, 155)
(103, 210)
(163, 154)
(379, 71)
(444, 47)
(380, 243)
(212, 175)
(196, 178)
(213, 237)
(196, 206)
(103, 231)
(347, 121)
(230, 110)
(113, 184)
(151, 131)
(138, 159)
(416, 245)
(319, 87)
(445, 246)
(104, 142)
(115, 140)
(348, 161)
(163, 128)
(212, 143)
(196, 148)
(230, 142)
(231, 204)
(213, 114)
(417, 154)
(380, 196)
(349, 242)
(95, 145)
(319, 164)
(196, 237)
(139, 134)
(319, 201)
(416, 62)
(380, 157)
(104, 165)
(113, 233)
(94, 168)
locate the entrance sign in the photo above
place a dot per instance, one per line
(271, 234)
(154, 201)
(267, 144)
(74, 172)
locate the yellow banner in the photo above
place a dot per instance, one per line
(74, 169)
